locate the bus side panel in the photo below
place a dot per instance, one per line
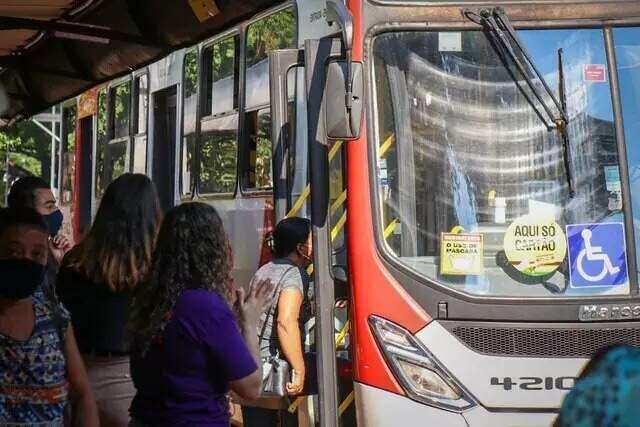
(373, 289)
(244, 223)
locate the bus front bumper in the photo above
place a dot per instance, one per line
(380, 408)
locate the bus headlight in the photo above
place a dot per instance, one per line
(419, 373)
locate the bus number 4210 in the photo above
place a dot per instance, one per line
(534, 383)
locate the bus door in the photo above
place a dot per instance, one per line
(324, 79)
(283, 67)
(164, 142)
(82, 182)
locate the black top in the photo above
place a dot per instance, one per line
(48, 285)
(52, 270)
(99, 315)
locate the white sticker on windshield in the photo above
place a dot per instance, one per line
(450, 42)
(614, 187)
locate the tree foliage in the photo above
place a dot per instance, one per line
(276, 31)
(218, 161)
(26, 149)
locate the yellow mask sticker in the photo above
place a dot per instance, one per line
(534, 245)
(461, 254)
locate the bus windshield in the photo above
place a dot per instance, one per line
(472, 184)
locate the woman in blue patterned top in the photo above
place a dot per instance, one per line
(41, 371)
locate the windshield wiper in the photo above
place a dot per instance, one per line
(564, 133)
(496, 22)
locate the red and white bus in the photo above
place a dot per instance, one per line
(485, 155)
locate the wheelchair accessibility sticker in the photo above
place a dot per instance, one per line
(597, 255)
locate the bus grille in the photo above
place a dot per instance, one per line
(544, 342)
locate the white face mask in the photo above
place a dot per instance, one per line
(303, 255)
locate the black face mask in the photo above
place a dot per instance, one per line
(20, 278)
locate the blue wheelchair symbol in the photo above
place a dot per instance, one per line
(597, 255)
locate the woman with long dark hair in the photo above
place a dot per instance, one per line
(96, 284)
(188, 350)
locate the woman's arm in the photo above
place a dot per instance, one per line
(86, 411)
(249, 387)
(249, 309)
(289, 337)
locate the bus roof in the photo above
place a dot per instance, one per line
(51, 50)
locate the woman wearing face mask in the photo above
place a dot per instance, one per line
(34, 193)
(40, 367)
(282, 325)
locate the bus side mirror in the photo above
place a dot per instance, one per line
(344, 88)
(343, 121)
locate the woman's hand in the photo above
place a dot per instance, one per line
(59, 246)
(251, 306)
(297, 382)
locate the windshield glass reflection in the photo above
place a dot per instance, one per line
(462, 150)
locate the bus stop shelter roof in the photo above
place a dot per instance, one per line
(51, 50)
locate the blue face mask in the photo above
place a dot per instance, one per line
(54, 222)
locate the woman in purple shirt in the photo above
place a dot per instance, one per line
(188, 349)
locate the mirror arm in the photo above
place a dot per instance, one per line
(337, 12)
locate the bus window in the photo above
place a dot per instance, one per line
(221, 84)
(627, 46)
(219, 133)
(115, 160)
(101, 142)
(189, 116)
(139, 150)
(337, 198)
(276, 31)
(142, 104)
(117, 137)
(121, 109)
(218, 155)
(139, 154)
(258, 131)
(460, 149)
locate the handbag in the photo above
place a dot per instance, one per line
(275, 369)
(275, 375)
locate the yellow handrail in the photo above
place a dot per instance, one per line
(388, 231)
(338, 202)
(386, 145)
(345, 403)
(302, 198)
(339, 225)
(339, 339)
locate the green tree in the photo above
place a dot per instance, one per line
(27, 148)
(276, 31)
